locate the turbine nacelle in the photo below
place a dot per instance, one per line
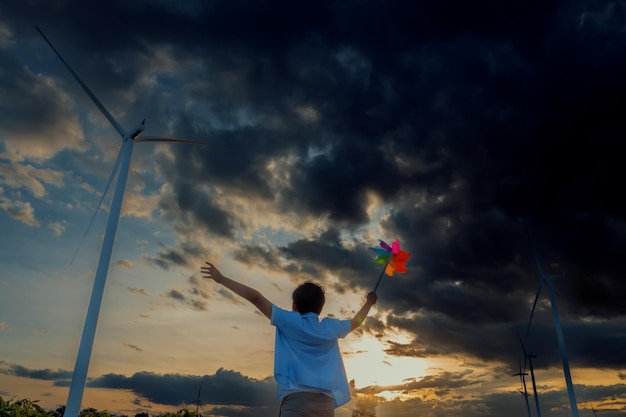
(138, 130)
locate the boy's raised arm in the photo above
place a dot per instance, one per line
(359, 317)
(250, 294)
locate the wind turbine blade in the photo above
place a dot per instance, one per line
(91, 95)
(538, 263)
(530, 241)
(521, 374)
(532, 311)
(199, 389)
(104, 193)
(519, 336)
(163, 139)
(539, 270)
(525, 362)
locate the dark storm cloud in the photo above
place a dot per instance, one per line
(31, 94)
(239, 396)
(168, 257)
(466, 126)
(447, 384)
(326, 252)
(196, 286)
(205, 211)
(192, 301)
(171, 257)
(443, 382)
(595, 344)
(18, 83)
(45, 374)
(259, 256)
(176, 295)
(223, 387)
(311, 259)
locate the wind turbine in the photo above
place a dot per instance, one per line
(529, 357)
(122, 164)
(198, 402)
(547, 279)
(522, 376)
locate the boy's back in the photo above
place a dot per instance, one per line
(306, 355)
(307, 362)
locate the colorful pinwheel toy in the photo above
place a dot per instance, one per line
(392, 257)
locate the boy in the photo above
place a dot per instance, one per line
(307, 363)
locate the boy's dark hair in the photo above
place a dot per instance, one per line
(309, 297)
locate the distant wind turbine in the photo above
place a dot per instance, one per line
(122, 164)
(522, 377)
(594, 411)
(547, 279)
(198, 401)
(529, 357)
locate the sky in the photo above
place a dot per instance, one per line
(445, 124)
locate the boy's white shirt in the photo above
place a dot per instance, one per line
(307, 356)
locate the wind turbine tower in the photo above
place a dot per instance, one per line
(529, 357)
(547, 280)
(121, 167)
(522, 376)
(198, 401)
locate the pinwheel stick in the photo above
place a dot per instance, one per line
(380, 277)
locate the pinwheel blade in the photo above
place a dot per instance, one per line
(399, 260)
(401, 257)
(382, 259)
(385, 246)
(395, 246)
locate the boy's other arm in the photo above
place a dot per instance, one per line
(359, 317)
(250, 294)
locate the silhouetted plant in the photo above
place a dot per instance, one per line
(59, 411)
(29, 408)
(21, 408)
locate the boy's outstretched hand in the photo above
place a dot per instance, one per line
(372, 298)
(211, 272)
(359, 317)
